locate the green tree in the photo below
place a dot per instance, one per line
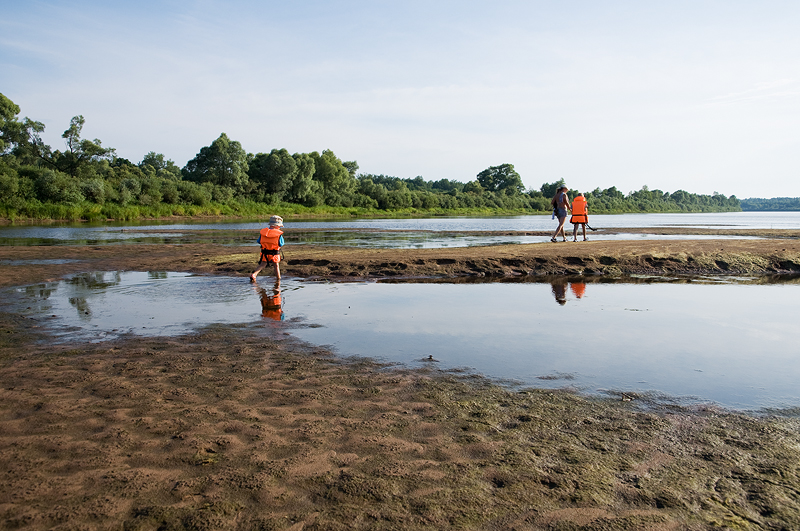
(351, 166)
(79, 151)
(274, 172)
(501, 178)
(10, 128)
(9, 182)
(20, 140)
(224, 163)
(305, 190)
(549, 189)
(156, 164)
(336, 181)
(55, 187)
(473, 187)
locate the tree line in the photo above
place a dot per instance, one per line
(87, 180)
(773, 204)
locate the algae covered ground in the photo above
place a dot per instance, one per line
(777, 252)
(245, 427)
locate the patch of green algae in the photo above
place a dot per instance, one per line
(394, 449)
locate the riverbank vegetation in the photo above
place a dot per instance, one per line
(88, 181)
(776, 204)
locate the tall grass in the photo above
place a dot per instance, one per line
(248, 209)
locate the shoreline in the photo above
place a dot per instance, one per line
(351, 215)
(245, 427)
(776, 252)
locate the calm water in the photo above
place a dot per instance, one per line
(338, 232)
(730, 343)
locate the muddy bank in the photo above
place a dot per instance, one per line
(245, 428)
(24, 265)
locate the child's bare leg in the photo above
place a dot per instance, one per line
(258, 269)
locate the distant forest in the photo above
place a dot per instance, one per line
(88, 181)
(774, 204)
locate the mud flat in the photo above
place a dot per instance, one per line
(245, 427)
(777, 253)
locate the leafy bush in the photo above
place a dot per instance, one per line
(56, 187)
(94, 190)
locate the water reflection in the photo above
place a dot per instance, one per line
(723, 340)
(559, 288)
(578, 289)
(271, 302)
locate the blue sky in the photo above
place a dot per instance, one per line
(696, 95)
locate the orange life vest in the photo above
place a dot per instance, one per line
(270, 244)
(578, 289)
(271, 306)
(579, 214)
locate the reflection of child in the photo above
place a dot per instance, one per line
(271, 303)
(578, 289)
(271, 240)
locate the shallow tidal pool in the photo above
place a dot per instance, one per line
(727, 342)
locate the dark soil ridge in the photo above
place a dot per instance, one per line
(25, 265)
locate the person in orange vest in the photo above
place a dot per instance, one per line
(271, 240)
(580, 216)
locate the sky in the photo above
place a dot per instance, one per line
(697, 95)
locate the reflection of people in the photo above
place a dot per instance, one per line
(578, 288)
(559, 287)
(271, 240)
(560, 206)
(580, 216)
(271, 302)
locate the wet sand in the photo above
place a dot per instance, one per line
(245, 427)
(777, 253)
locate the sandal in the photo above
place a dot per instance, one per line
(553, 240)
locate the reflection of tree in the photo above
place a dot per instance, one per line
(95, 280)
(156, 275)
(42, 291)
(39, 295)
(82, 305)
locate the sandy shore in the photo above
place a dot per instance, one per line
(777, 253)
(247, 428)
